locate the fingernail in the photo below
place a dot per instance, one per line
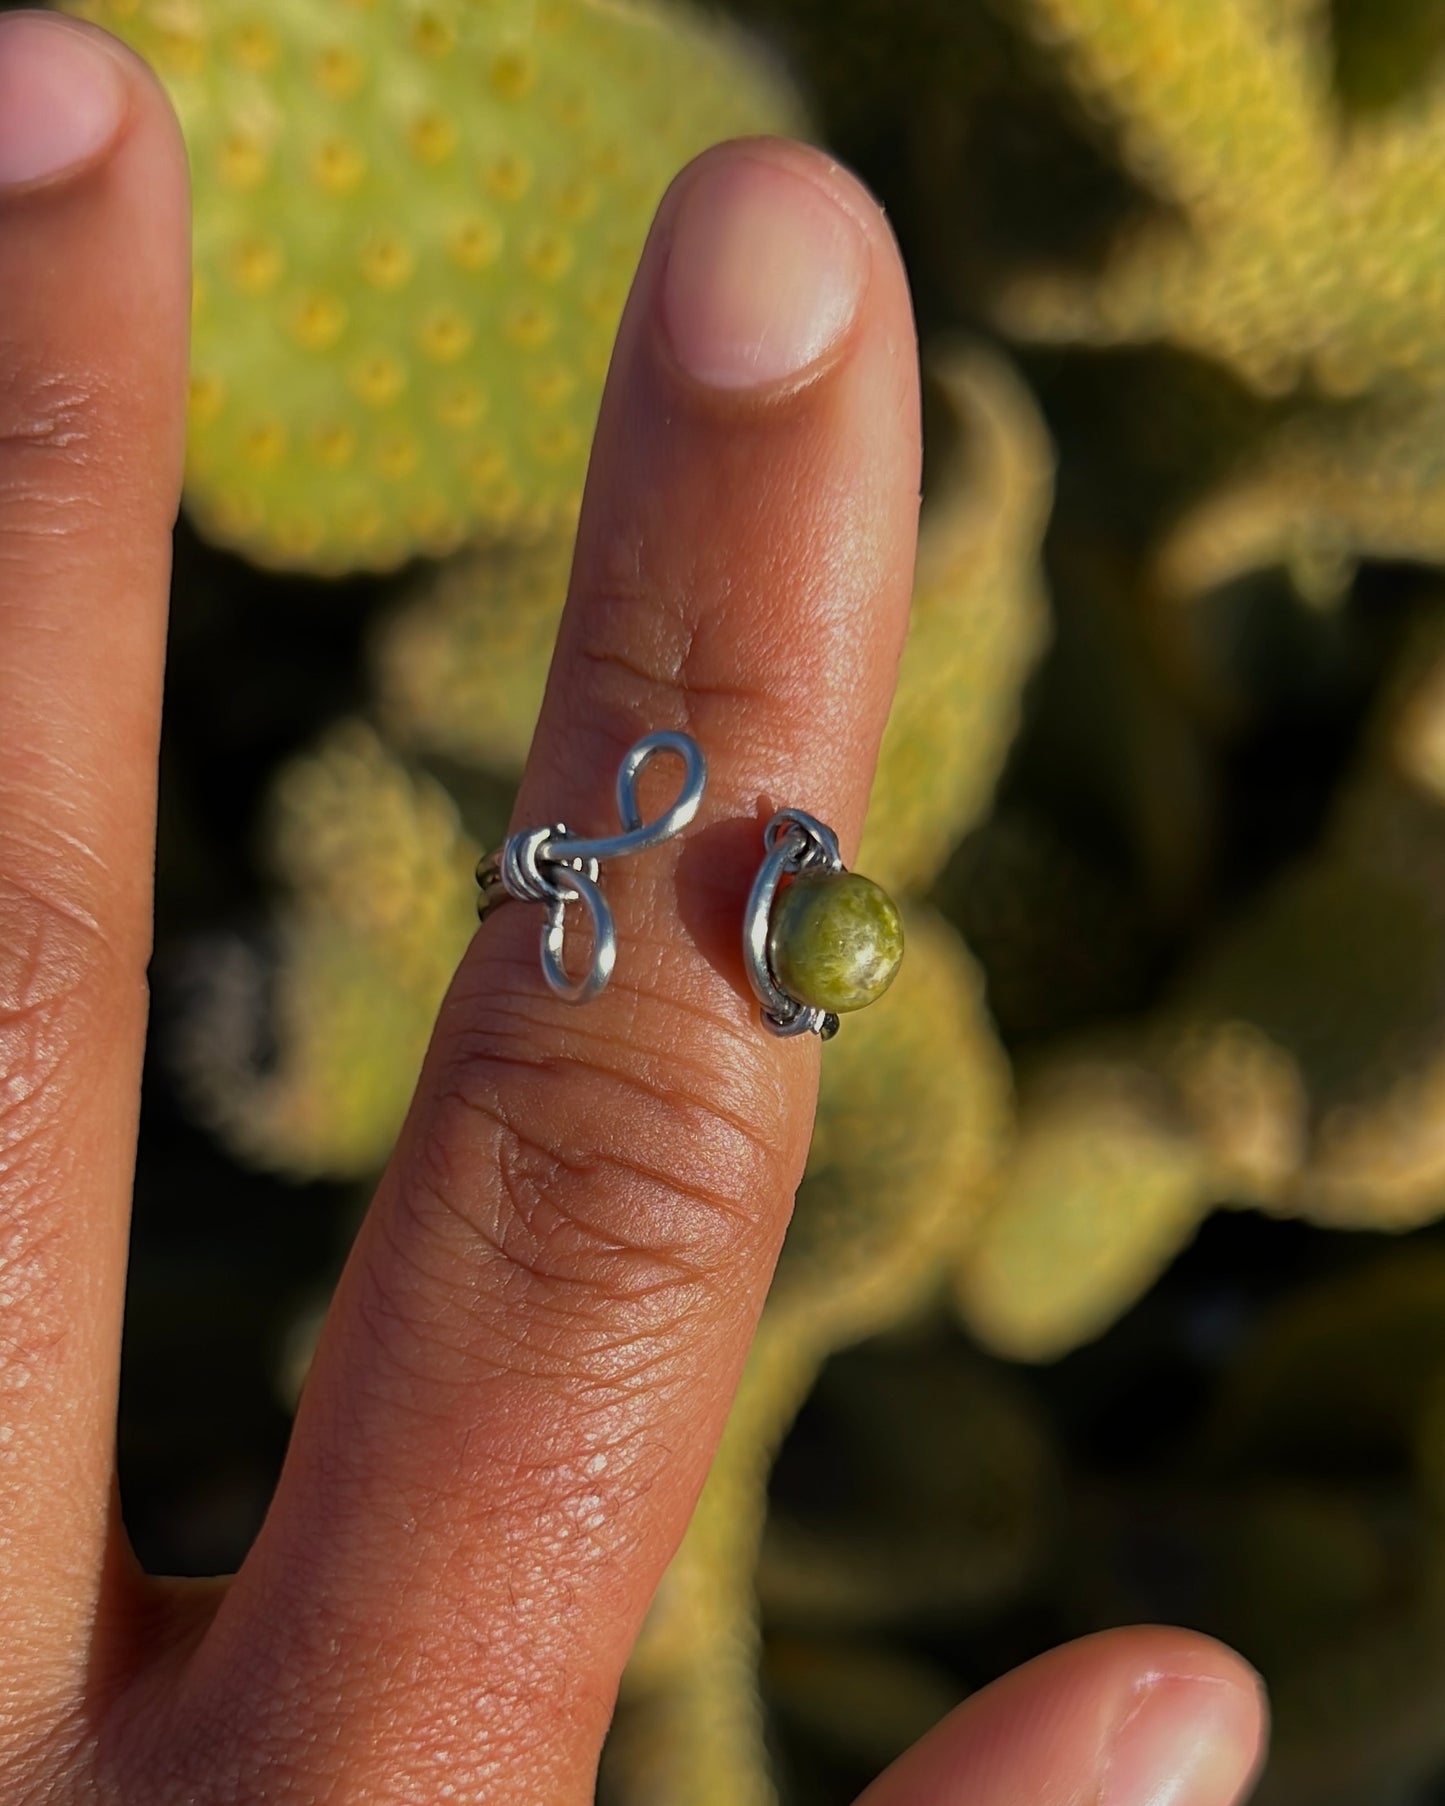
(1188, 1741)
(764, 273)
(62, 98)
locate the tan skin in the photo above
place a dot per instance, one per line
(535, 1342)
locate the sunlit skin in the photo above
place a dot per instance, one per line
(537, 1336)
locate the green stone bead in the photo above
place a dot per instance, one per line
(835, 940)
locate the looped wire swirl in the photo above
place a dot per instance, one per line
(554, 867)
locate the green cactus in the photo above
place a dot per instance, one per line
(942, 1507)
(416, 221)
(1342, 1382)
(979, 622)
(1323, 492)
(913, 1116)
(1309, 252)
(857, 1699)
(381, 903)
(1365, 1048)
(1107, 1184)
(1342, 1372)
(460, 670)
(1062, 938)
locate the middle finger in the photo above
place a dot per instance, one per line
(534, 1345)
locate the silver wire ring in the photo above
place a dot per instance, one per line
(555, 867)
(793, 842)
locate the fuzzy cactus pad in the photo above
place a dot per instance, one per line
(416, 222)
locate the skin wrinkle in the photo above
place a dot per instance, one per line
(600, 1393)
(509, 1354)
(479, 1062)
(518, 1025)
(544, 1339)
(607, 661)
(725, 1195)
(44, 410)
(74, 872)
(47, 772)
(47, 1012)
(80, 844)
(629, 1165)
(551, 1340)
(555, 1354)
(557, 1480)
(83, 932)
(806, 569)
(562, 1264)
(42, 524)
(511, 1040)
(54, 474)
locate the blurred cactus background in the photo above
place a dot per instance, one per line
(1115, 1289)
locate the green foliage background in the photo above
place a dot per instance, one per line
(1066, 1332)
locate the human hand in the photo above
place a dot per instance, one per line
(533, 1347)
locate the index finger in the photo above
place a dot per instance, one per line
(94, 302)
(534, 1345)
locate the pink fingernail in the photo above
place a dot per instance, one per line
(62, 98)
(1187, 1741)
(765, 272)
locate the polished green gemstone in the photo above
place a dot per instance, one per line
(835, 940)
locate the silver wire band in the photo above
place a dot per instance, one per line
(794, 842)
(555, 867)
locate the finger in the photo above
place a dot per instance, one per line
(1141, 1717)
(96, 291)
(535, 1343)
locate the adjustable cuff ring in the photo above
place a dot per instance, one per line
(555, 867)
(818, 940)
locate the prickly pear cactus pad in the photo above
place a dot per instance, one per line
(1106, 1187)
(460, 670)
(1328, 489)
(979, 623)
(1312, 248)
(380, 906)
(415, 225)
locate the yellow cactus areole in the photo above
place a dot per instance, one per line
(416, 221)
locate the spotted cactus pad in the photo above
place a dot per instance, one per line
(415, 229)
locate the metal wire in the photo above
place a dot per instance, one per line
(794, 842)
(554, 867)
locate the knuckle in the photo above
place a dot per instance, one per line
(669, 670)
(600, 1195)
(565, 1215)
